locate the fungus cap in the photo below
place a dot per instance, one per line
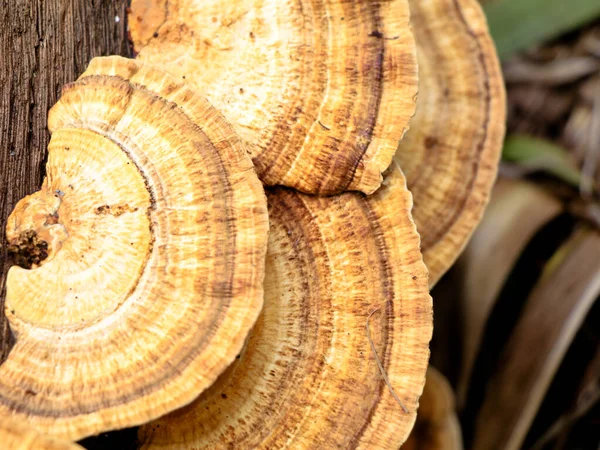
(16, 435)
(322, 91)
(152, 228)
(437, 426)
(307, 377)
(450, 154)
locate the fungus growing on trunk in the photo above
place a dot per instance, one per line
(308, 377)
(321, 91)
(147, 241)
(155, 227)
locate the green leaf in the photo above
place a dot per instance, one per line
(518, 24)
(539, 154)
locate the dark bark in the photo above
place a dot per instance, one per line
(43, 45)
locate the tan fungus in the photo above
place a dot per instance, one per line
(307, 377)
(450, 154)
(145, 252)
(321, 90)
(437, 426)
(19, 436)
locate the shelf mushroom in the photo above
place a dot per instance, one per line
(19, 436)
(437, 426)
(276, 57)
(343, 273)
(321, 91)
(145, 254)
(450, 154)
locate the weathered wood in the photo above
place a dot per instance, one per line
(43, 45)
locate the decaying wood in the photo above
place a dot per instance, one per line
(43, 45)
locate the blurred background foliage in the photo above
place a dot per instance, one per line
(517, 321)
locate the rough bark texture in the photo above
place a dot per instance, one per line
(43, 45)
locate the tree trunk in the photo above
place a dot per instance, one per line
(43, 45)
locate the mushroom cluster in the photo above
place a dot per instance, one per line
(223, 250)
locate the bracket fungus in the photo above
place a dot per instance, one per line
(437, 426)
(321, 91)
(343, 273)
(278, 56)
(155, 230)
(450, 154)
(19, 436)
(144, 252)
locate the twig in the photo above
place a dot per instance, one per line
(381, 368)
(324, 126)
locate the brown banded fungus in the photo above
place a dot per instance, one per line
(273, 54)
(155, 226)
(437, 426)
(450, 154)
(307, 377)
(321, 91)
(16, 435)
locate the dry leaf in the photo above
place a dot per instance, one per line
(553, 314)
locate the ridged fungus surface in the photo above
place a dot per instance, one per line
(450, 154)
(321, 90)
(155, 228)
(16, 435)
(308, 377)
